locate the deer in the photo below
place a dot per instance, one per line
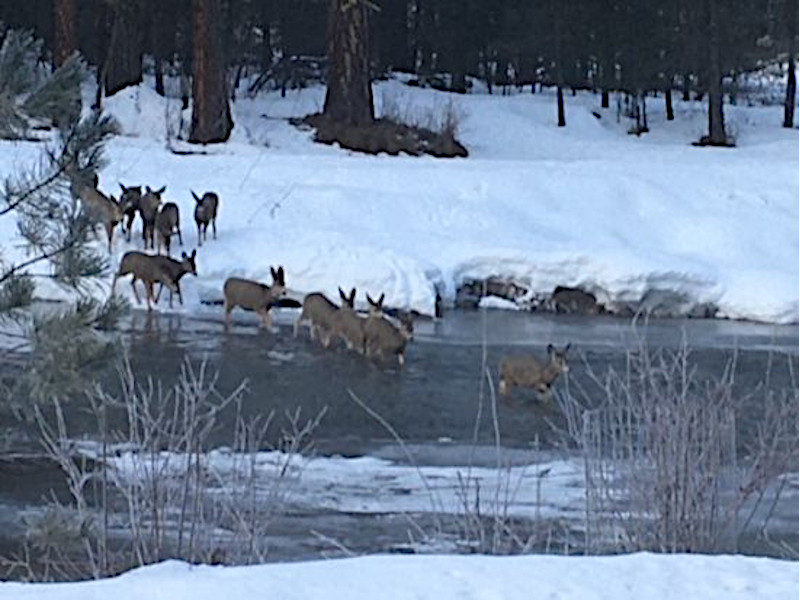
(574, 301)
(529, 372)
(382, 337)
(148, 209)
(205, 212)
(168, 222)
(175, 270)
(317, 314)
(146, 268)
(347, 325)
(99, 208)
(129, 204)
(253, 295)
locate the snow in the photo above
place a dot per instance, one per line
(630, 577)
(627, 218)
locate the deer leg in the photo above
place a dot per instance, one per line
(135, 293)
(148, 286)
(180, 237)
(401, 360)
(214, 227)
(228, 315)
(160, 288)
(178, 290)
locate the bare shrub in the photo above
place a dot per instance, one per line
(662, 470)
(151, 489)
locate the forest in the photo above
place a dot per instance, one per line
(228, 47)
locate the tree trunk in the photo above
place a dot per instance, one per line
(686, 87)
(604, 99)
(124, 58)
(348, 100)
(716, 115)
(211, 112)
(66, 30)
(561, 120)
(791, 93)
(668, 99)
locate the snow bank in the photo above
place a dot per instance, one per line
(630, 219)
(628, 577)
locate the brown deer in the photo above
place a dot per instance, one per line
(205, 212)
(382, 337)
(99, 208)
(168, 222)
(347, 325)
(148, 209)
(143, 267)
(175, 270)
(255, 296)
(317, 314)
(129, 204)
(529, 372)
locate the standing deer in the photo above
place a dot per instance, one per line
(129, 204)
(383, 338)
(318, 315)
(255, 296)
(99, 208)
(347, 325)
(168, 221)
(148, 209)
(174, 271)
(143, 267)
(529, 372)
(205, 212)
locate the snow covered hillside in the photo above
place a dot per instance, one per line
(631, 577)
(631, 219)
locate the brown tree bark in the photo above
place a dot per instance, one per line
(716, 115)
(124, 59)
(791, 93)
(211, 112)
(348, 100)
(65, 26)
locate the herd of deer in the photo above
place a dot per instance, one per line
(374, 335)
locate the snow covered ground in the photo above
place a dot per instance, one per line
(637, 220)
(631, 577)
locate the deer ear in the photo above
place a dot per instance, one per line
(194, 252)
(550, 348)
(273, 272)
(195, 196)
(124, 189)
(147, 189)
(380, 300)
(342, 295)
(162, 190)
(184, 256)
(370, 301)
(352, 295)
(567, 347)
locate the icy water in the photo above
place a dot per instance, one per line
(434, 403)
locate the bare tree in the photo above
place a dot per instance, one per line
(211, 113)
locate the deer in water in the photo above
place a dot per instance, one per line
(175, 270)
(148, 209)
(168, 222)
(129, 204)
(155, 269)
(530, 372)
(318, 315)
(347, 325)
(253, 295)
(382, 337)
(205, 213)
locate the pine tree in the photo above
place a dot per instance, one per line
(55, 231)
(348, 100)
(211, 112)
